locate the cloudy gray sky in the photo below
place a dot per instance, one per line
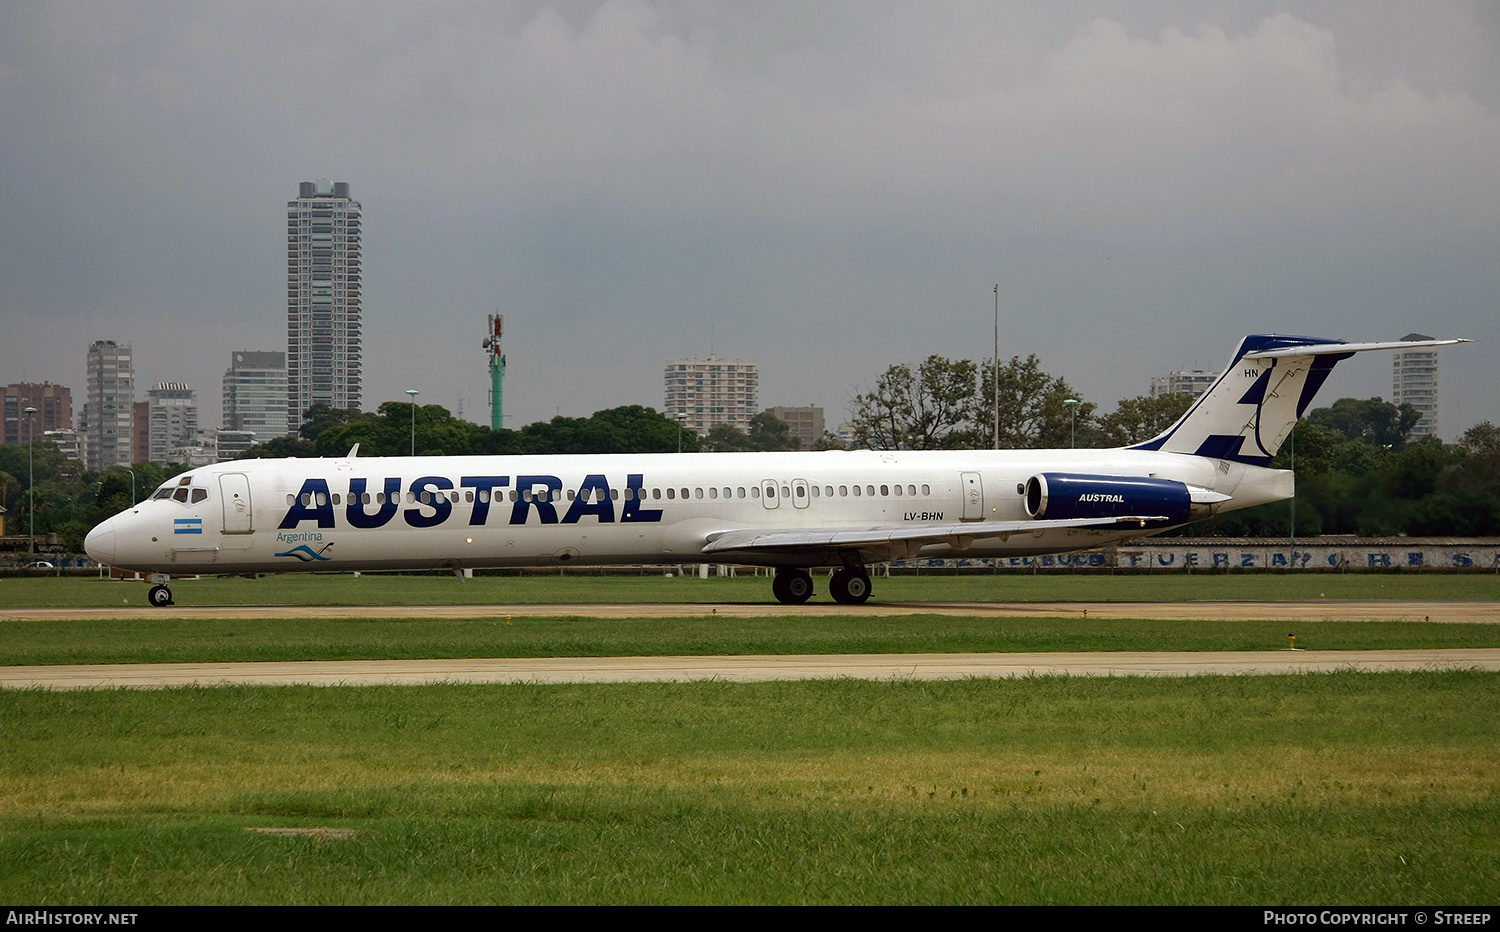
(822, 188)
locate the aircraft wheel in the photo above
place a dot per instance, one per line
(792, 587)
(160, 596)
(851, 587)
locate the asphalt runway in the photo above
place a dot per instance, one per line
(1478, 612)
(740, 669)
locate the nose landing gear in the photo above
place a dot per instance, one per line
(160, 596)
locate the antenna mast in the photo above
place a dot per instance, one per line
(497, 371)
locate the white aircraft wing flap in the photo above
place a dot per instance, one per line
(958, 535)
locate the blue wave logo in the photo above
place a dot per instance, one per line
(307, 555)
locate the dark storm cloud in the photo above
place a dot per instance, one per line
(821, 188)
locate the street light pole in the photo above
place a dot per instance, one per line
(680, 419)
(995, 388)
(1072, 404)
(413, 393)
(31, 476)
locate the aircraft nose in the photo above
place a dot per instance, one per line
(100, 544)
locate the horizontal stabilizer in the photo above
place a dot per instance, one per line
(1325, 349)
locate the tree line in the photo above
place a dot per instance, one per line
(1358, 472)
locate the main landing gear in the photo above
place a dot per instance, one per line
(160, 595)
(792, 586)
(849, 585)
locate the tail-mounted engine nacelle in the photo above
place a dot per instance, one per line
(1060, 496)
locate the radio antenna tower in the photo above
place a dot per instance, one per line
(497, 371)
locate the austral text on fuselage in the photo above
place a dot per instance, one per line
(430, 501)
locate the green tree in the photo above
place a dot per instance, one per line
(829, 441)
(766, 432)
(1138, 419)
(1034, 413)
(1372, 420)
(769, 432)
(280, 448)
(320, 417)
(726, 438)
(926, 409)
(1483, 439)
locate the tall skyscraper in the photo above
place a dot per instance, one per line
(322, 298)
(255, 394)
(1414, 381)
(54, 410)
(174, 420)
(712, 391)
(111, 388)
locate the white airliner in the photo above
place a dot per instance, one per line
(791, 511)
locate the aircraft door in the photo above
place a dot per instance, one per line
(770, 495)
(973, 492)
(799, 493)
(234, 489)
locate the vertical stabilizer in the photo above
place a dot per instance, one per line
(1247, 414)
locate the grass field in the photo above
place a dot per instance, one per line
(174, 640)
(1321, 789)
(1336, 789)
(576, 587)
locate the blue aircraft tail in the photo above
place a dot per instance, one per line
(1247, 414)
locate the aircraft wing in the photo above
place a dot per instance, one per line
(892, 541)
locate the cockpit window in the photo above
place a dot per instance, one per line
(199, 495)
(165, 492)
(180, 495)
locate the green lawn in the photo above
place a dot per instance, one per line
(576, 587)
(1340, 789)
(147, 639)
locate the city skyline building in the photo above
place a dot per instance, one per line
(1414, 381)
(70, 443)
(54, 410)
(109, 412)
(173, 420)
(1192, 382)
(255, 394)
(805, 423)
(323, 333)
(703, 393)
(140, 433)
